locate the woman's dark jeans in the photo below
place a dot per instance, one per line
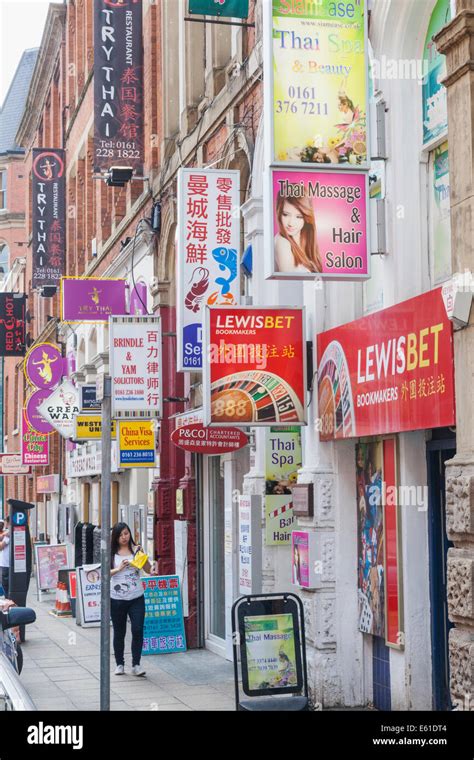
(135, 609)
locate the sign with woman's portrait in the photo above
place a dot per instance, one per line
(318, 224)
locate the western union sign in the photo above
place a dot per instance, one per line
(89, 427)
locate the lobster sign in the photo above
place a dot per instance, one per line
(209, 249)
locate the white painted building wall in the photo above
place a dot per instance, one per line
(339, 656)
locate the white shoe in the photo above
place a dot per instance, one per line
(119, 670)
(137, 670)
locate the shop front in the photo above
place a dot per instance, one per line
(386, 400)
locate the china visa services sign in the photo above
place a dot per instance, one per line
(208, 254)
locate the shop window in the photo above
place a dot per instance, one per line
(434, 97)
(439, 214)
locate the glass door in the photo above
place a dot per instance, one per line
(215, 542)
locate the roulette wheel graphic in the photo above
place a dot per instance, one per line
(254, 397)
(336, 406)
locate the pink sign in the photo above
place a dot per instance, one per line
(138, 300)
(88, 300)
(44, 366)
(319, 225)
(300, 565)
(34, 418)
(34, 446)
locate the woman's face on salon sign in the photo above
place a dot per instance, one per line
(292, 220)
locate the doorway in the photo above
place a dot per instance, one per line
(438, 452)
(214, 559)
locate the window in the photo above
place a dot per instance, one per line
(3, 189)
(439, 212)
(4, 260)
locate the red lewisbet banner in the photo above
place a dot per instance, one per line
(389, 372)
(255, 368)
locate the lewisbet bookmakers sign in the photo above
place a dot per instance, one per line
(316, 66)
(255, 366)
(389, 372)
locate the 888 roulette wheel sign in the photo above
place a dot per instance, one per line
(256, 368)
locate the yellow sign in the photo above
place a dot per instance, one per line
(137, 444)
(89, 427)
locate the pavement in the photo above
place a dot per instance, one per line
(62, 670)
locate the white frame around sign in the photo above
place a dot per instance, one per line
(206, 380)
(145, 413)
(80, 615)
(269, 233)
(180, 248)
(269, 125)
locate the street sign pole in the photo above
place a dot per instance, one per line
(105, 547)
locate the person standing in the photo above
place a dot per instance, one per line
(127, 598)
(5, 555)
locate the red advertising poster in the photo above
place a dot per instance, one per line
(255, 368)
(393, 623)
(389, 372)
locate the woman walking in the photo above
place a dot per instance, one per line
(126, 597)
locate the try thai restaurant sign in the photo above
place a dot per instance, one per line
(255, 368)
(118, 84)
(48, 216)
(90, 300)
(389, 372)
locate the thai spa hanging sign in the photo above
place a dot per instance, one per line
(316, 67)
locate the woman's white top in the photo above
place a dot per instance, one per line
(125, 585)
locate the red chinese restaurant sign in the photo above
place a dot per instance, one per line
(389, 372)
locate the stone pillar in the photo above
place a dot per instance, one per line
(456, 42)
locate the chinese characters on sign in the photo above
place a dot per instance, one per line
(208, 253)
(34, 446)
(89, 300)
(388, 372)
(12, 324)
(48, 216)
(255, 368)
(118, 84)
(135, 367)
(164, 622)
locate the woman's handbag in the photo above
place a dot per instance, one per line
(139, 560)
